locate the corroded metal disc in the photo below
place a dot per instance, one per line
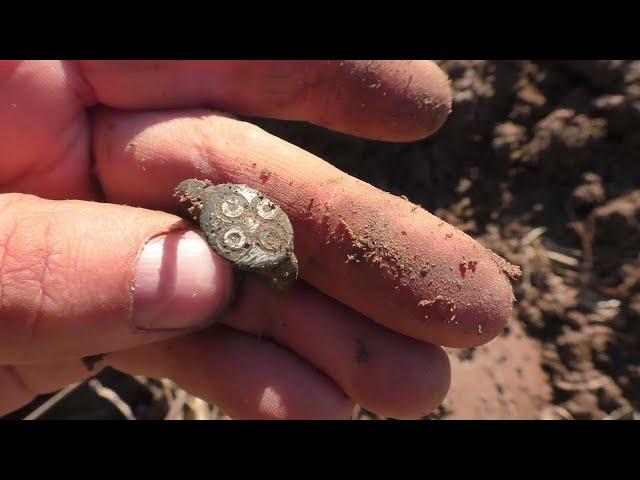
(244, 227)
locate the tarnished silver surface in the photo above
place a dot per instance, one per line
(244, 227)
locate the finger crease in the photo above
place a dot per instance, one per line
(42, 294)
(84, 90)
(51, 163)
(4, 252)
(18, 381)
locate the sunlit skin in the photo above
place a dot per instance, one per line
(85, 271)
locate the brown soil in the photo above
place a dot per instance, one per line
(539, 161)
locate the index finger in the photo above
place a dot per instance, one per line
(382, 100)
(382, 255)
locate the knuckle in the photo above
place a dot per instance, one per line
(221, 136)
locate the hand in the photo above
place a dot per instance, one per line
(383, 281)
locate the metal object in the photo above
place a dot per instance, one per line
(244, 227)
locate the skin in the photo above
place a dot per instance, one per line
(84, 144)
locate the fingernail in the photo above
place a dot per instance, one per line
(180, 283)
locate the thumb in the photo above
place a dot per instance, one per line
(81, 278)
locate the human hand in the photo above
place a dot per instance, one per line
(384, 283)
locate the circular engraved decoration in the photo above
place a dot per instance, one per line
(244, 227)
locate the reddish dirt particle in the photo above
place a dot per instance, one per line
(265, 174)
(468, 266)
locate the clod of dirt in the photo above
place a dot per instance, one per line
(560, 142)
(590, 193)
(467, 266)
(616, 227)
(620, 111)
(508, 139)
(502, 380)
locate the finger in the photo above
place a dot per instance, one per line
(385, 257)
(81, 278)
(383, 100)
(23, 383)
(247, 377)
(44, 131)
(420, 386)
(385, 372)
(381, 370)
